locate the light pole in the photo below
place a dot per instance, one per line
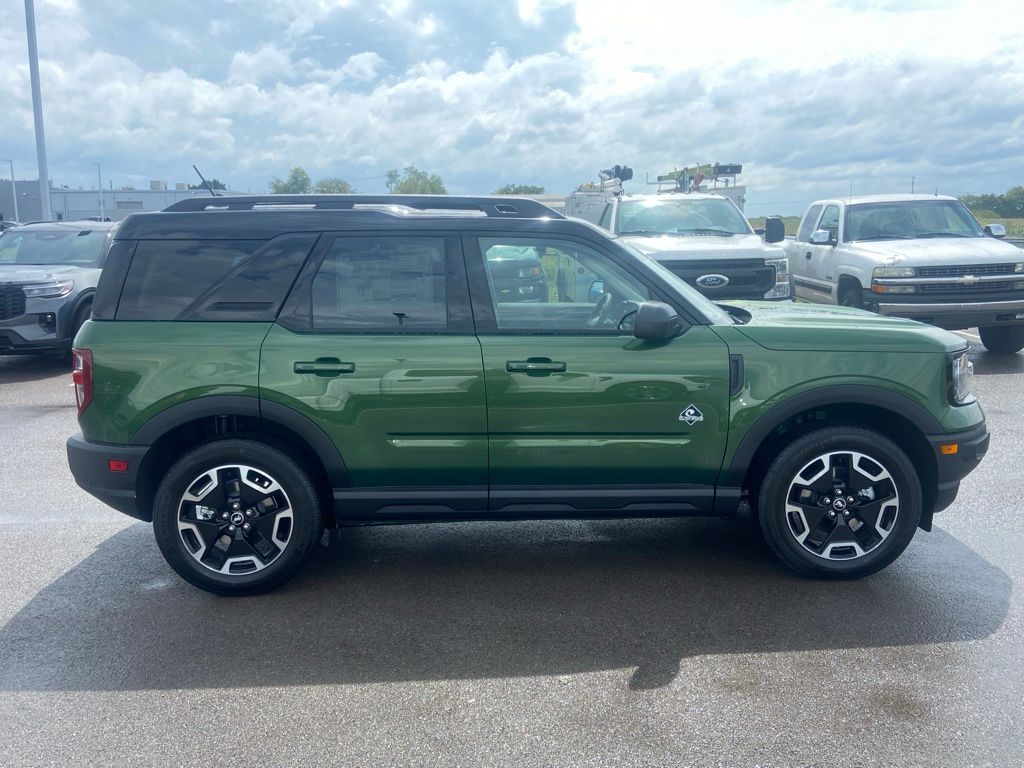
(14, 188)
(37, 109)
(99, 178)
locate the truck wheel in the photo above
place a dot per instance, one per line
(840, 502)
(236, 517)
(851, 296)
(1003, 338)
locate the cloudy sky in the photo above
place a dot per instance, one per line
(807, 95)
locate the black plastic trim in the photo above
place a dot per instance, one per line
(735, 375)
(88, 463)
(839, 394)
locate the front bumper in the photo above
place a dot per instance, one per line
(971, 446)
(955, 315)
(89, 464)
(13, 343)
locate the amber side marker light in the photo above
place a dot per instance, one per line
(949, 449)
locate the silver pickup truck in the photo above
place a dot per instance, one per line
(923, 257)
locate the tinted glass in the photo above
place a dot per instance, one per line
(381, 284)
(211, 279)
(64, 245)
(807, 225)
(699, 215)
(910, 219)
(582, 288)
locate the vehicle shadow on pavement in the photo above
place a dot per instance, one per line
(986, 363)
(476, 600)
(15, 369)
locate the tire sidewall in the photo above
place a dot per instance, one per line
(306, 517)
(782, 472)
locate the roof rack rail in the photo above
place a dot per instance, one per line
(500, 207)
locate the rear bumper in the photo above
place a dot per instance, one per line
(89, 464)
(971, 447)
(954, 315)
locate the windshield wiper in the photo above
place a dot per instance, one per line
(705, 231)
(641, 232)
(941, 234)
(881, 237)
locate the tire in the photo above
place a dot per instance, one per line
(849, 539)
(1004, 339)
(852, 296)
(277, 505)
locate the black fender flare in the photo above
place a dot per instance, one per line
(837, 394)
(246, 405)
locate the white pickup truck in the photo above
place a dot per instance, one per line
(923, 257)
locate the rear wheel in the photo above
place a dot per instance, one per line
(1003, 338)
(840, 502)
(236, 517)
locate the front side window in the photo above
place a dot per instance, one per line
(807, 225)
(674, 216)
(389, 284)
(60, 245)
(583, 289)
(830, 221)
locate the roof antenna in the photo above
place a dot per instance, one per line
(205, 182)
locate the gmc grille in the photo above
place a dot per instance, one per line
(12, 301)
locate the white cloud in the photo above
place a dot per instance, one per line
(268, 62)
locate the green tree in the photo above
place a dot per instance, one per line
(414, 182)
(519, 189)
(1009, 205)
(297, 183)
(333, 186)
(214, 183)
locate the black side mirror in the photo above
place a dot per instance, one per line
(995, 230)
(774, 230)
(656, 321)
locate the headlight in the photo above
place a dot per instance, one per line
(962, 390)
(529, 272)
(781, 288)
(51, 290)
(1019, 267)
(894, 272)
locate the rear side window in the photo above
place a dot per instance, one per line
(807, 225)
(216, 280)
(393, 284)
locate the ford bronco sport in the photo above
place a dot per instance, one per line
(258, 369)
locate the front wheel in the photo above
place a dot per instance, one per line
(852, 296)
(236, 517)
(840, 502)
(1005, 339)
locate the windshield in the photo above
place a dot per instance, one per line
(674, 216)
(910, 219)
(67, 245)
(700, 303)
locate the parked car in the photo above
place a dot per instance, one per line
(253, 374)
(923, 257)
(517, 272)
(48, 276)
(701, 237)
(7, 225)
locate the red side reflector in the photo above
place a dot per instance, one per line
(116, 465)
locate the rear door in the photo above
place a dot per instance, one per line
(376, 346)
(583, 417)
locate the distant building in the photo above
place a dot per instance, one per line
(74, 204)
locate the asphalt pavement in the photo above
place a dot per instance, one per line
(626, 643)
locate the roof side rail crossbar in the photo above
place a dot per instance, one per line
(500, 207)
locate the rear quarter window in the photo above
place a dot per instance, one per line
(212, 280)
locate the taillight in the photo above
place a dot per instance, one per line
(81, 375)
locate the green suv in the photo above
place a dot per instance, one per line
(260, 369)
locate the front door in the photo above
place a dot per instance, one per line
(376, 346)
(582, 415)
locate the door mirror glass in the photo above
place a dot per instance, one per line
(774, 230)
(596, 291)
(995, 230)
(655, 321)
(821, 237)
